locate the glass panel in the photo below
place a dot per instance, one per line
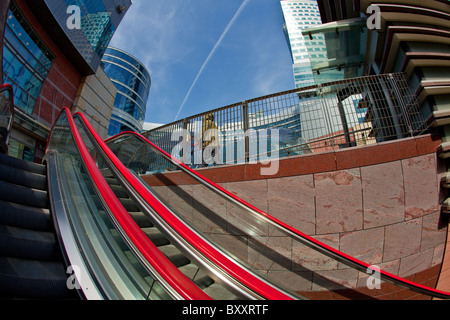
(336, 51)
(110, 259)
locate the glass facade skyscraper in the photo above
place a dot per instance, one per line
(133, 83)
(298, 16)
(99, 21)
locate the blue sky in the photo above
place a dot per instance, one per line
(205, 54)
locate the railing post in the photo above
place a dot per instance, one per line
(245, 125)
(401, 102)
(344, 124)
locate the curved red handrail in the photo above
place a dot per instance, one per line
(174, 277)
(249, 280)
(363, 265)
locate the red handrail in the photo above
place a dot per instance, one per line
(174, 277)
(363, 265)
(246, 278)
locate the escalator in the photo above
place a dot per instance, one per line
(286, 258)
(186, 265)
(128, 230)
(31, 263)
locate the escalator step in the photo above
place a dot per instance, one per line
(22, 195)
(28, 244)
(174, 255)
(119, 191)
(20, 216)
(33, 280)
(23, 178)
(23, 165)
(112, 181)
(141, 219)
(217, 292)
(198, 276)
(129, 204)
(156, 236)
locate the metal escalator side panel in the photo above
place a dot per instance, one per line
(88, 288)
(179, 286)
(302, 238)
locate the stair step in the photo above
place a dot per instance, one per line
(119, 191)
(29, 279)
(28, 244)
(23, 165)
(198, 276)
(218, 292)
(156, 237)
(22, 195)
(141, 219)
(20, 216)
(23, 178)
(129, 204)
(174, 255)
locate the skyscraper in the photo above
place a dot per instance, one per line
(133, 83)
(298, 16)
(99, 19)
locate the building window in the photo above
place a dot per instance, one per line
(26, 60)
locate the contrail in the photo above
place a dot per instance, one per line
(230, 24)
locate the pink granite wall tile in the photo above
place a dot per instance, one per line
(179, 199)
(210, 210)
(365, 245)
(270, 253)
(338, 201)
(416, 263)
(399, 242)
(253, 192)
(438, 254)
(291, 200)
(335, 279)
(384, 197)
(306, 258)
(295, 282)
(235, 245)
(434, 231)
(421, 187)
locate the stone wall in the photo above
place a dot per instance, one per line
(379, 204)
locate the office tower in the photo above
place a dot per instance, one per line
(133, 83)
(298, 16)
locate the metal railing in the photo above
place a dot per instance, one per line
(327, 117)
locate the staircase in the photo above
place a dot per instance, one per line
(31, 263)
